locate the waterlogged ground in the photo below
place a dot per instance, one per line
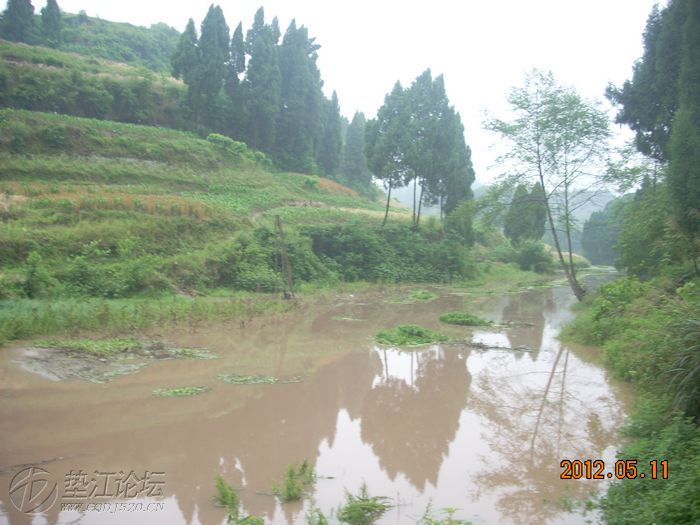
(480, 430)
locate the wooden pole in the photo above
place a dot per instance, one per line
(285, 259)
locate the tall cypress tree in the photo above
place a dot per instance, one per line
(684, 170)
(236, 63)
(186, 56)
(300, 115)
(261, 87)
(235, 91)
(18, 21)
(331, 142)
(210, 72)
(51, 23)
(526, 215)
(353, 169)
(384, 142)
(438, 154)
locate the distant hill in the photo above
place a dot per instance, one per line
(593, 203)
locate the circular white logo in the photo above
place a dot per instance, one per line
(33, 490)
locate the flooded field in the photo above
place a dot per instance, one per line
(456, 425)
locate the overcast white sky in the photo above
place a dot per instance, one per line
(483, 47)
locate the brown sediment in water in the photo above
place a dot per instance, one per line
(466, 428)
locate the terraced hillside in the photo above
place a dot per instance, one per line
(103, 210)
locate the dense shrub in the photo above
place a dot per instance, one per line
(391, 253)
(532, 255)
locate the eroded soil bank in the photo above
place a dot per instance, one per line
(456, 424)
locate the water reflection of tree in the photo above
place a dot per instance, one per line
(531, 428)
(410, 427)
(527, 308)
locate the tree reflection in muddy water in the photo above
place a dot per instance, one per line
(410, 422)
(466, 428)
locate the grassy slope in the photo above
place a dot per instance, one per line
(44, 79)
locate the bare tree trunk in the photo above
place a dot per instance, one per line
(388, 199)
(414, 201)
(579, 292)
(420, 205)
(567, 225)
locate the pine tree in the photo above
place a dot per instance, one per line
(331, 142)
(18, 21)
(51, 23)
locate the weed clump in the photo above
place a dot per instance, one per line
(463, 319)
(235, 379)
(363, 509)
(228, 498)
(183, 391)
(297, 479)
(429, 519)
(422, 295)
(409, 335)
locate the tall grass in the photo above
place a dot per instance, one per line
(21, 319)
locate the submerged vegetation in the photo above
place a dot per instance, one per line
(464, 319)
(183, 391)
(409, 335)
(235, 379)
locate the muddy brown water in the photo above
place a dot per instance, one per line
(473, 429)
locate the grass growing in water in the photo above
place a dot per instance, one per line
(296, 480)
(235, 379)
(464, 319)
(182, 391)
(422, 295)
(316, 517)
(429, 519)
(192, 353)
(409, 335)
(416, 295)
(363, 509)
(228, 498)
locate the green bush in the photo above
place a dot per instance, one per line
(532, 255)
(37, 282)
(391, 254)
(672, 501)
